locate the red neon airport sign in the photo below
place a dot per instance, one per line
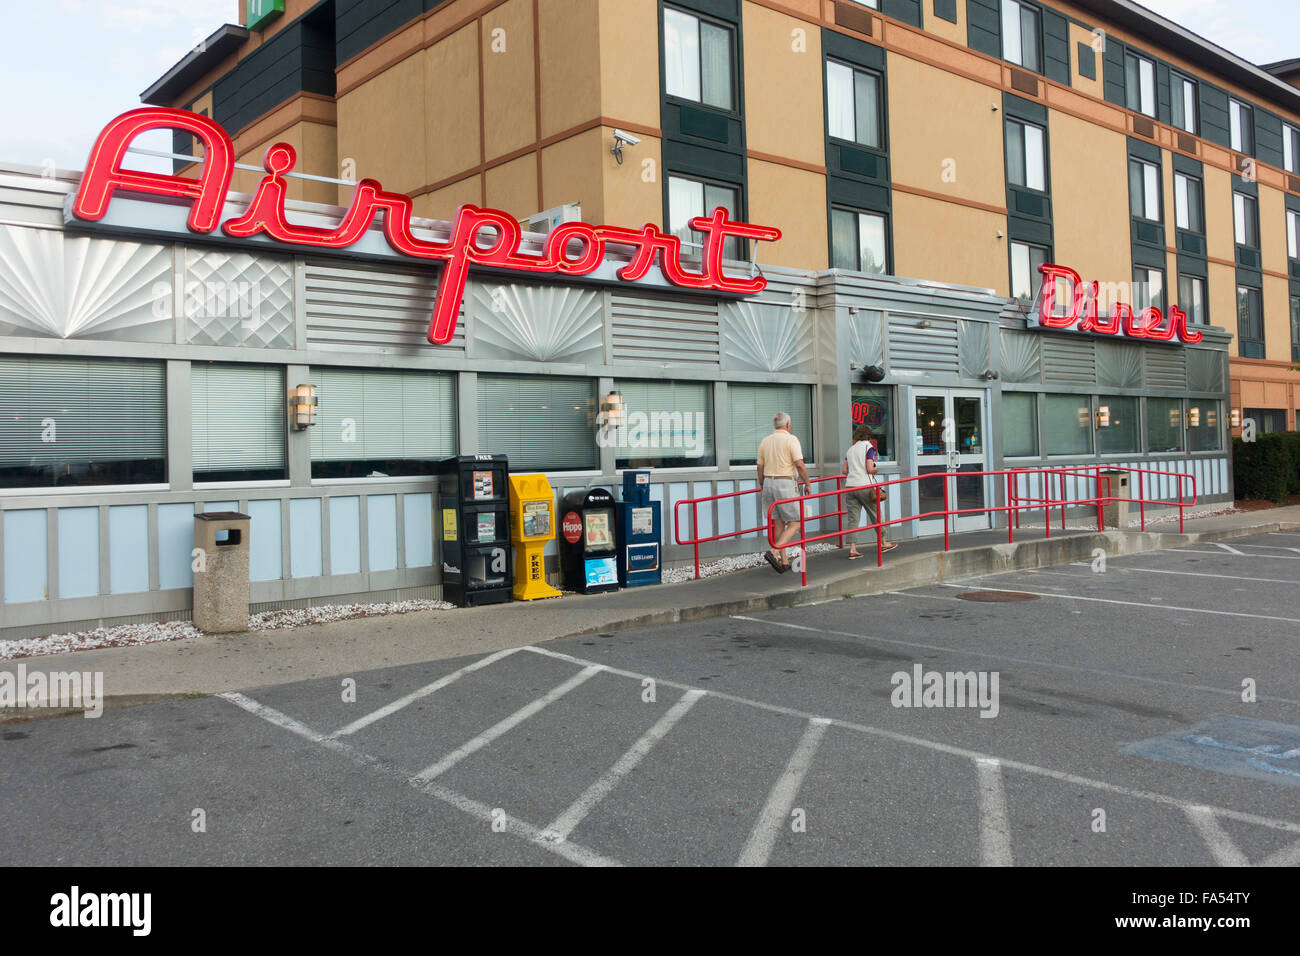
(1082, 314)
(265, 215)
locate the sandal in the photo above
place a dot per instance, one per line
(889, 546)
(854, 557)
(776, 565)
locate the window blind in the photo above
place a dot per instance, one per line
(380, 415)
(240, 413)
(1019, 424)
(540, 422)
(752, 410)
(667, 419)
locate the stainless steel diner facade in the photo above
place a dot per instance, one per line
(143, 380)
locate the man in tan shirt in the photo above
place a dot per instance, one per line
(780, 458)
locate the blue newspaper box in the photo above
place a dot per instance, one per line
(638, 532)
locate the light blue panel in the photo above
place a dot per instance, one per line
(220, 506)
(345, 535)
(78, 552)
(749, 507)
(128, 549)
(702, 489)
(1223, 476)
(381, 531)
(726, 508)
(264, 561)
(304, 538)
(419, 530)
(25, 556)
(657, 494)
(175, 546)
(677, 491)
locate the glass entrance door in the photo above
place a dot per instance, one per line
(949, 431)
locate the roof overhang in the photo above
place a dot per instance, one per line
(199, 61)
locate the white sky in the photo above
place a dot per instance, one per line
(69, 66)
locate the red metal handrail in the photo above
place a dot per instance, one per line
(1095, 470)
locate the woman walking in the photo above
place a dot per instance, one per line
(860, 474)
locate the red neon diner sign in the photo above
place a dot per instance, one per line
(265, 215)
(1082, 313)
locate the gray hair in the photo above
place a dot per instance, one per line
(780, 420)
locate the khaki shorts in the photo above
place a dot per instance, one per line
(774, 489)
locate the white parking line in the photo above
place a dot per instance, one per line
(1189, 574)
(1229, 548)
(995, 830)
(1154, 607)
(1222, 848)
(1261, 557)
(504, 726)
(439, 684)
(776, 812)
(567, 821)
(1268, 547)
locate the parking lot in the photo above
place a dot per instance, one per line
(1145, 712)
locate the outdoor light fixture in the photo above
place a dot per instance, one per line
(1084, 415)
(872, 373)
(1103, 416)
(1236, 418)
(613, 408)
(302, 406)
(1211, 418)
(1194, 417)
(1173, 417)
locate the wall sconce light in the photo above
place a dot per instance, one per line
(1175, 417)
(1236, 418)
(872, 373)
(1084, 416)
(1211, 418)
(1103, 416)
(302, 406)
(612, 408)
(1194, 417)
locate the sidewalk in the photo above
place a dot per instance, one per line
(212, 664)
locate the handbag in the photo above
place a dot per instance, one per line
(874, 479)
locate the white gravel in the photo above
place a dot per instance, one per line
(738, 562)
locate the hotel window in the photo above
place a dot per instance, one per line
(1019, 424)
(873, 4)
(1025, 260)
(1292, 234)
(1020, 43)
(859, 241)
(665, 425)
(541, 422)
(1148, 289)
(698, 60)
(689, 198)
(752, 408)
(1204, 419)
(1250, 323)
(1117, 425)
(1164, 425)
(1026, 156)
(1295, 328)
(1191, 299)
(1140, 84)
(1182, 102)
(1067, 425)
(1290, 148)
(853, 104)
(1241, 127)
(1143, 190)
(1245, 220)
(1267, 420)
(75, 421)
(377, 423)
(1187, 203)
(239, 416)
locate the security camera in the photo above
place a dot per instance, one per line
(626, 138)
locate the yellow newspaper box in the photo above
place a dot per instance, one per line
(532, 524)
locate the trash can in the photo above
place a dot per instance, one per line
(221, 539)
(1115, 484)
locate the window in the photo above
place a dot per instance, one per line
(1140, 84)
(74, 421)
(1295, 329)
(1267, 420)
(1182, 102)
(1164, 425)
(1025, 260)
(1188, 211)
(1019, 424)
(1290, 148)
(1245, 220)
(698, 60)
(1117, 425)
(859, 241)
(752, 408)
(376, 423)
(1191, 299)
(1250, 323)
(1241, 127)
(853, 104)
(541, 422)
(665, 425)
(873, 4)
(689, 198)
(1292, 234)
(240, 413)
(1148, 289)
(1020, 35)
(1143, 190)
(873, 406)
(1026, 162)
(946, 10)
(1203, 421)
(1067, 425)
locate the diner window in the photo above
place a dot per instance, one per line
(380, 423)
(1250, 323)
(1148, 289)
(1182, 102)
(68, 422)
(541, 422)
(751, 410)
(691, 198)
(1139, 84)
(1290, 148)
(1067, 425)
(239, 416)
(1245, 220)
(873, 406)
(1292, 234)
(1143, 190)
(859, 241)
(1117, 425)
(1241, 127)
(1191, 299)
(1020, 35)
(665, 425)
(853, 105)
(1164, 425)
(699, 60)
(1019, 424)
(1204, 421)
(1026, 156)
(1188, 210)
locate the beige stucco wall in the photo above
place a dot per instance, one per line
(783, 86)
(934, 239)
(450, 118)
(793, 200)
(512, 186)
(569, 50)
(1090, 199)
(629, 61)
(1277, 319)
(381, 127)
(509, 91)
